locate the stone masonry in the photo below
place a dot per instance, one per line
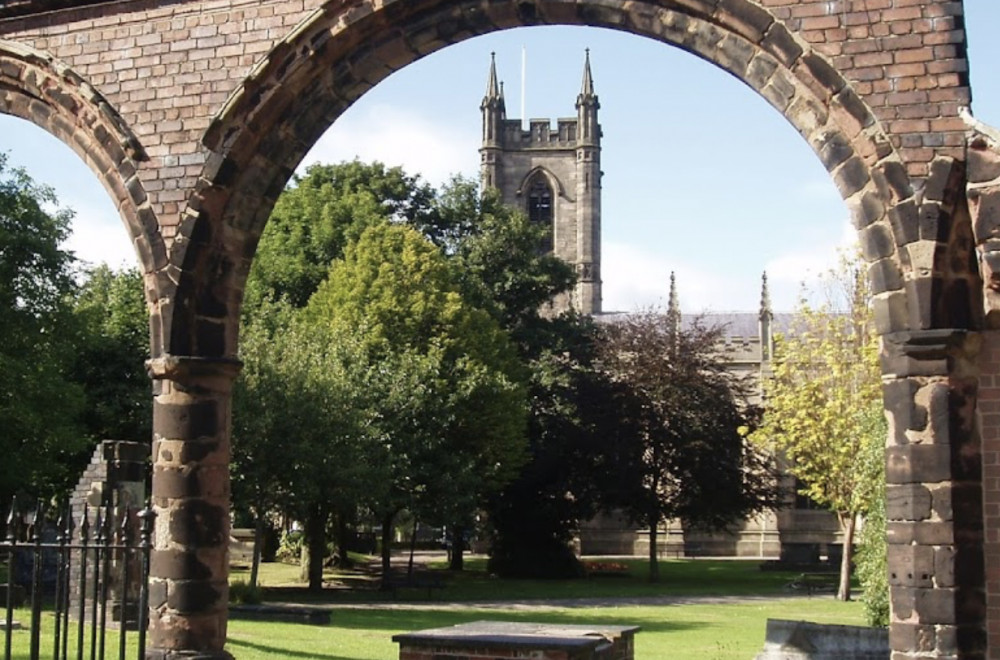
(554, 176)
(194, 114)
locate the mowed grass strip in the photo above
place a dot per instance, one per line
(678, 577)
(717, 631)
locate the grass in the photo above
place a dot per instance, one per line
(729, 629)
(678, 577)
(725, 631)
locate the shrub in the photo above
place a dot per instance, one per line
(242, 593)
(873, 570)
(290, 547)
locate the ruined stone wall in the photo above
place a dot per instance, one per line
(168, 68)
(194, 113)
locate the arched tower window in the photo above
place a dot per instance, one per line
(540, 209)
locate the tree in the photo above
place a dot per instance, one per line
(820, 401)
(112, 349)
(39, 404)
(572, 434)
(448, 402)
(498, 256)
(315, 219)
(300, 434)
(682, 455)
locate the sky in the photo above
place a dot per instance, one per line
(701, 176)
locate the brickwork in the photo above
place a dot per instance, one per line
(194, 114)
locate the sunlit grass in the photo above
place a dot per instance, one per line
(723, 631)
(730, 627)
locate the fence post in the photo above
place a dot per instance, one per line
(148, 518)
(36, 579)
(11, 546)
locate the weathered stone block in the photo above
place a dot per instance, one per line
(197, 524)
(908, 502)
(185, 422)
(918, 464)
(911, 565)
(876, 242)
(194, 596)
(983, 162)
(884, 276)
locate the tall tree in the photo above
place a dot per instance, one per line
(318, 215)
(112, 349)
(450, 404)
(819, 404)
(683, 455)
(300, 435)
(39, 403)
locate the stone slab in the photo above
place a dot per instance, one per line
(802, 640)
(502, 634)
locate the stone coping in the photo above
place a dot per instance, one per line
(285, 613)
(536, 636)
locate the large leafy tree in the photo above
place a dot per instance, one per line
(112, 349)
(681, 453)
(300, 440)
(39, 403)
(315, 218)
(450, 404)
(574, 426)
(821, 400)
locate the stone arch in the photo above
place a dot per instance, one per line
(337, 53)
(36, 87)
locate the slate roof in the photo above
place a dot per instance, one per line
(737, 324)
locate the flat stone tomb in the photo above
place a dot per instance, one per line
(498, 640)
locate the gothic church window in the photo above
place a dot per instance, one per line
(540, 209)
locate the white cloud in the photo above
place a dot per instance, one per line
(396, 135)
(635, 277)
(788, 272)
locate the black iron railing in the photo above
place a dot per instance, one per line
(70, 574)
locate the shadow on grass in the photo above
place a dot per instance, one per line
(279, 652)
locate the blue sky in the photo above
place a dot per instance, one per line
(701, 176)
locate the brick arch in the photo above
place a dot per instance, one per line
(37, 88)
(339, 52)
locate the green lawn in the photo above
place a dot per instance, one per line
(678, 577)
(731, 629)
(701, 632)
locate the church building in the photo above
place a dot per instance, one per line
(554, 176)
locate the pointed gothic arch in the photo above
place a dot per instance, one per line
(545, 173)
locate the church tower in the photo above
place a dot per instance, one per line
(554, 176)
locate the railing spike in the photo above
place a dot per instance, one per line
(12, 521)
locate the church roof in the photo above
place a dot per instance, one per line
(736, 324)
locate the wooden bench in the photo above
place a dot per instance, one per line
(816, 583)
(428, 580)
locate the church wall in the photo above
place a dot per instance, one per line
(561, 164)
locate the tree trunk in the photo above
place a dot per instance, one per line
(258, 542)
(413, 548)
(654, 565)
(456, 558)
(387, 542)
(316, 540)
(848, 522)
